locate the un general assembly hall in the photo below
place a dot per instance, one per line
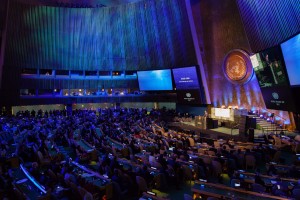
(149, 99)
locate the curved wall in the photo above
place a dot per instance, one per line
(143, 35)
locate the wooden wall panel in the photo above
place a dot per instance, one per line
(223, 31)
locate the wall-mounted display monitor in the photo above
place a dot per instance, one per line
(269, 68)
(278, 98)
(155, 80)
(271, 74)
(186, 78)
(291, 55)
(188, 97)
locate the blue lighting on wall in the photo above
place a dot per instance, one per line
(137, 36)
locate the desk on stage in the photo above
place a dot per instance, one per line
(211, 123)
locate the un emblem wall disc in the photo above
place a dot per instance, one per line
(237, 67)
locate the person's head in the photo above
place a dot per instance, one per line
(116, 172)
(257, 171)
(272, 167)
(35, 165)
(145, 167)
(267, 57)
(70, 169)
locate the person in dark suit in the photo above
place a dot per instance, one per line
(258, 178)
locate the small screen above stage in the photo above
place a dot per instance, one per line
(223, 113)
(186, 78)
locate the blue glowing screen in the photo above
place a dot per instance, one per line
(155, 80)
(291, 54)
(186, 78)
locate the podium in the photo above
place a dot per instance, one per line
(251, 135)
(211, 123)
(200, 121)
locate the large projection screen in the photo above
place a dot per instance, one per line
(291, 55)
(155, 80)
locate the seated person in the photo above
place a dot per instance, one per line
(151, 157)
(224, 151)
(258, 179)
(272, 170)
(69, 176)
(34, 170)
(294, 172)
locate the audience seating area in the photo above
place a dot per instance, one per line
(133, 154)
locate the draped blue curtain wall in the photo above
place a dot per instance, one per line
(151, 34)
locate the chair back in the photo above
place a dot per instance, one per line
(52, 175)
(160, 181)
(81, 191)
(296, 193)
(216, 167)
(212, 198)
(88, 196)
(141, 183)
(187, 197)
(40, 156)
(211, 153)
(276, 157)
(258, 188)
(233, 182)
(117, 192)
(297, 138)
(192, 142)
(207, 160)
(156, 164)
(250, 161)
(187, 173)
(161, 151)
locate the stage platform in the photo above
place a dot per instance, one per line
(220, 132)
